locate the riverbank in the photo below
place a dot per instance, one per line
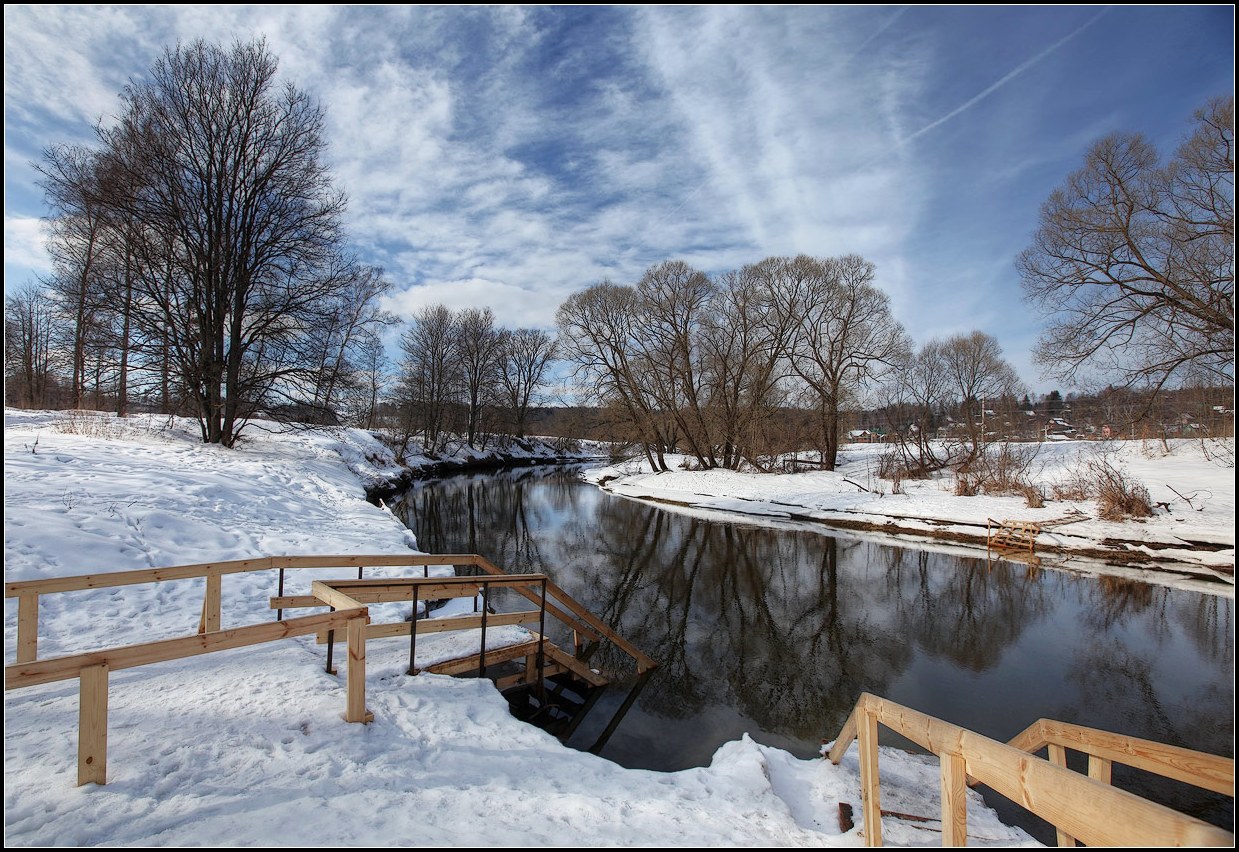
(1192, 531)
(247, 748)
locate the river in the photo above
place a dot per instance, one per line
(775, 631)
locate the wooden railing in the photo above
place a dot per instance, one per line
(350, 615)
(1079, 807)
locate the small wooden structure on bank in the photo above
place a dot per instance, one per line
(1080, 807)
(541, 665)
(1006, 536)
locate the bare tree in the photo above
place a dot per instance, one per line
(597, 329)
(842, 334)
(527, 354)
(979, 376)
(430, 374)
(1135, 262)
(478, 348)
(29, 335)
(236, 226)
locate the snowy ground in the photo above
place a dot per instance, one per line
(1196, 537)
(247, 747)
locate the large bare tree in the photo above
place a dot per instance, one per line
(842, 334)
(1134, 261)
(237, 258)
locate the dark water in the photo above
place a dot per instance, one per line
(775, 632)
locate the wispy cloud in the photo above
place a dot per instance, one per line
(1006, 78)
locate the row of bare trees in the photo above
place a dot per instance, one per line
(723, 368)
(461, 376)
(199, 261)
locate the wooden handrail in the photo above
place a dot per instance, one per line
(1208, 771)
(1079, 806)
(53, 669)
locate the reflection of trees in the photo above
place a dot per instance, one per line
(789, 627)
(1123, 690)
(1116, 598)
(960, 608)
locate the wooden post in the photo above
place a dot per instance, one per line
(1099, 768)
(954, 799)
(1058, 757)
(870, 797)
(356, 676)
(92, 725)
(211, 600)
(27, 628)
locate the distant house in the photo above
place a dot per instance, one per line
(866, 436)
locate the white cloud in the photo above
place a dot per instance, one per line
(24, 243)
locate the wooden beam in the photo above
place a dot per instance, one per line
(519, 678)
(400, 629)
(870, 792)
(644, 663)
(461, 665)
(847, 735)
(1058, 757)
(130, 578)
(211, 603)
(332, 597)
(356, 675)
(27, 627)
(1099, 768)
(377, 560)
(1095, 813)
(295, 602)
(574, 665)
(1208, 771)
(954, 790)
(92, 726)
(129, 656)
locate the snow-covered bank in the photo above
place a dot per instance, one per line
(247, 747)
(1195, 534)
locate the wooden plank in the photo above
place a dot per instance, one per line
(954, 790)
(1094, 813)
(847, 735)
(80, 582)
(1099, 768)
(131, 578)
(1192, 767)
(295, 602)
(574, 665)
(129, 656)
(376, 560)
(517, 679)
(92, 726)
(211, 602)
(27, 627)
(400, 629)
(462, 665)
(356, 675)
(332, 597)
(870, 792)
(1058, 757)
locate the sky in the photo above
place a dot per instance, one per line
(507, 156)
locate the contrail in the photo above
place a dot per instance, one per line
(1020, 69)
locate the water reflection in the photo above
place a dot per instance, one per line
(776, 631)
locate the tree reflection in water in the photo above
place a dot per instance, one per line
(776, 631)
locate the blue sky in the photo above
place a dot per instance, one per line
(507, 156)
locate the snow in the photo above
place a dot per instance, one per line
(1195, 536)
(247, 747)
